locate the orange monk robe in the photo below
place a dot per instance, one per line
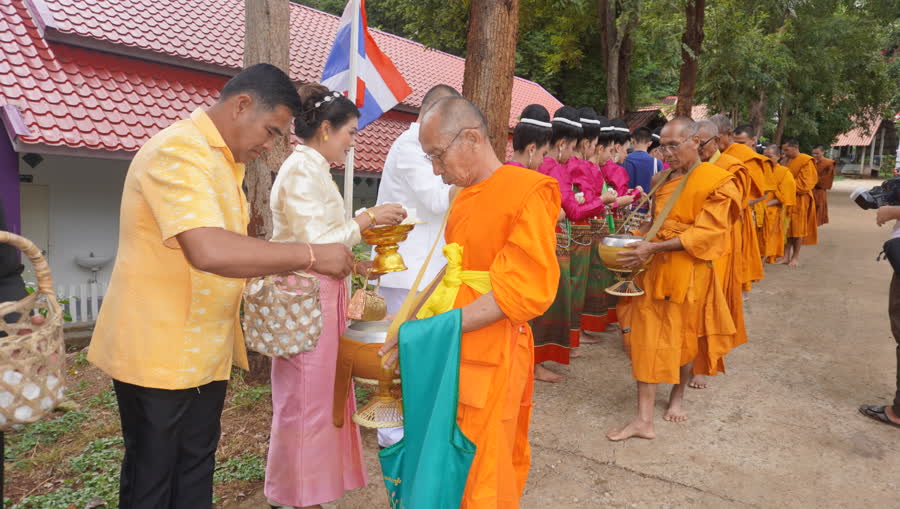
(728, 267)
(825, 171)
(505, 225)
(751, 265)
(784, 190)
(683, 315)
(803, 213)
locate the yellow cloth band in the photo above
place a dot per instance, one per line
(444, 295)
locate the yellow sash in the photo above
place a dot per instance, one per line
(444, 295)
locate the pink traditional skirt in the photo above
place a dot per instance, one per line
(310, 460)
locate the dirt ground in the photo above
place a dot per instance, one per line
(780, 430)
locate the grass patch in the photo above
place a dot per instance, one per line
(249, 395)
(22, 443)
(246, 467)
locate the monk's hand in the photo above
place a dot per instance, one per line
(887, 213)
(636, 254)
(389, 352)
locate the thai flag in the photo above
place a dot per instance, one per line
(379, 85)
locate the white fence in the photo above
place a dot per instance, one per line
(82, 302)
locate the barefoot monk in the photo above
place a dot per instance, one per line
(683, 316)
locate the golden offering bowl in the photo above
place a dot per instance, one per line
(609, 250)
(386, 239)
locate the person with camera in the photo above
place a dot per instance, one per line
(890, 414)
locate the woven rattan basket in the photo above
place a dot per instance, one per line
(32, 357)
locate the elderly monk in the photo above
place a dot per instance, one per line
(728, 267)
(737, 144)
(502, 272)
(683, 316)
(825, 170)
(782, 194)
(802, 229)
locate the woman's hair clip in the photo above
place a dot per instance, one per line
(327, 99)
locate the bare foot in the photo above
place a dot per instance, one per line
(794, 263)
(545, 375)
(589, 339)
(636, 428)
(699, 382)
(782, 261)
(574, 353)
(889, 412)
(676, 412)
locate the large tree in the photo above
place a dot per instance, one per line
(691, 45)
(618, 19)
(491, 64)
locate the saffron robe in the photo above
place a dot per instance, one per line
(751, 263)
(803, 213)
(783, 188)
(683, 315)
(505, 226)
(729, 267)
(825, 171)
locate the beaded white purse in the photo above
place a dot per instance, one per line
(282, 314)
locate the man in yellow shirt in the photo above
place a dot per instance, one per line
(169, 332)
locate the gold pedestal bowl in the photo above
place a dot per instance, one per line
(609, 250)
(386, 240)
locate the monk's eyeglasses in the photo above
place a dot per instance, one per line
(670, 147)
(707, 141)
(440, 155)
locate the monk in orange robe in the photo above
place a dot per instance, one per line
(728, 267)
(825, 170)
(802, 229)
(683, 317)
(739, 143)
(500, 238)
(781, 194)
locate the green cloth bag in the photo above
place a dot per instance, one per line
(428, 468)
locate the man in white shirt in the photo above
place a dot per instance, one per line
(408, 178)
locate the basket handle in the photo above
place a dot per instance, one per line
(41, 267)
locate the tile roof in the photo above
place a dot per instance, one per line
(59, 95)
(212, 32)
(860, 136)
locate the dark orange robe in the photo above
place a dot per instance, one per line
(803, 213)
(783, 188)
(825, 170)
(728, 267)
(751, 266)
(683, 315)
(505, 225)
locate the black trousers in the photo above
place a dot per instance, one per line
(170, 445)
(894, 311)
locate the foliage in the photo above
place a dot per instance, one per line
(95, 478)
(362, 393)
(67, 317)
(887, 166)
(247, 467)
(361, 252)
(250, 395)
(43, 432)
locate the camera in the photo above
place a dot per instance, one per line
(888, 193)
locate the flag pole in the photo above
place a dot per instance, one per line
(351, 94)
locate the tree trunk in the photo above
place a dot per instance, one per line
(783, 115)
(691, 46)
(491, 64)
(758, 113)
(617, 46)
(266, 39)
(625, 54)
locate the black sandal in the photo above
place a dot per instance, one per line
(877, 413)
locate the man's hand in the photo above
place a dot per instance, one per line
(637, 255)
(364, 268)
(334, 260)
(887, 213)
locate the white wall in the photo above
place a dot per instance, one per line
(85, 195)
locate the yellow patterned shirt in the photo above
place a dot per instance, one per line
(163, 323)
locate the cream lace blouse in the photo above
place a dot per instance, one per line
(306, 204)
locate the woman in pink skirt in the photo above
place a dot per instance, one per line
(311, 461)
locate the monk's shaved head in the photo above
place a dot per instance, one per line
(680, 143)
(708, 132)
(683, 126)
(434, 95)
(455, 114)
(723, 123)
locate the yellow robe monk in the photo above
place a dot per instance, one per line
(728, 267)
(683, 315)
(803, 213)
(502, 232)
(751, 266)
(825, 171)
(782, 187)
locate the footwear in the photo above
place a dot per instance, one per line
(877, 413)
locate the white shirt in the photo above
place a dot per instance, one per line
(306, 204)
(408, 178)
